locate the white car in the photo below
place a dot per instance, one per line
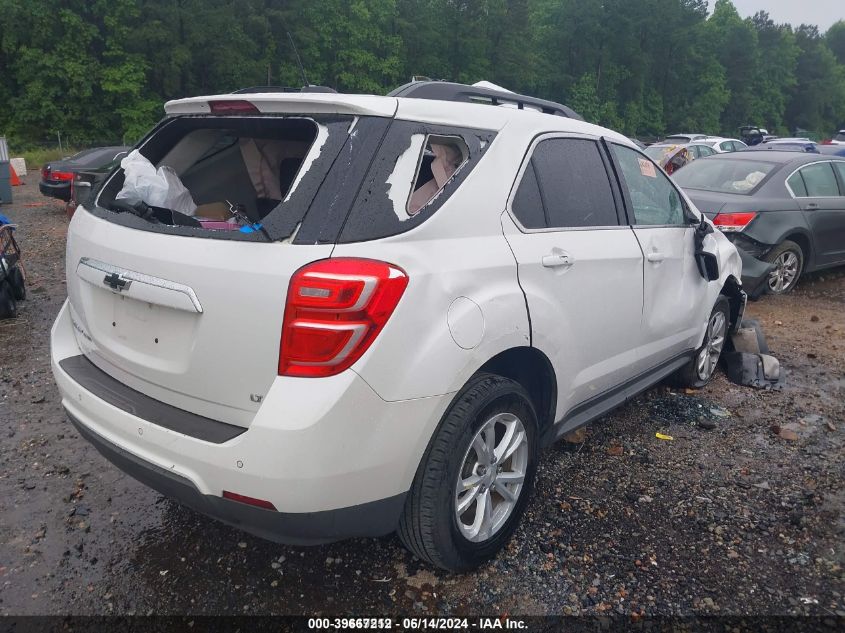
(682, 139)
(723, 145)
(838, 139)
(413, 296)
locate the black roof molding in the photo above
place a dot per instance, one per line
(448, 91)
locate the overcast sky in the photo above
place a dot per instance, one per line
(820, 12)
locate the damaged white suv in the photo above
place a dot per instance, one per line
(373, 312)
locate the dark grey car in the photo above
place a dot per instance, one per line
(781, 208)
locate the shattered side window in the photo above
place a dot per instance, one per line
(442, 158)
(417, 169)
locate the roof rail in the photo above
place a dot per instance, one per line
(448, 91)
(262, 89)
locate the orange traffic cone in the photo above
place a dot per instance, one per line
(13, 177)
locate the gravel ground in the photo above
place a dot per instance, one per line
(729, 517)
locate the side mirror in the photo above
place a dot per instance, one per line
(708, 265)
(690, 217)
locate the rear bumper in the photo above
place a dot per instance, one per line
(332, 457)
(60, 190)
(298, 528)
(755, 273)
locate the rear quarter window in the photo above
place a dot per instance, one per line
(527, 204)
(796, 183)
(820, 180)
(386, 203)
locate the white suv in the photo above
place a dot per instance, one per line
(410, 297)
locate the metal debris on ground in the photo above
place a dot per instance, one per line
(750, 363)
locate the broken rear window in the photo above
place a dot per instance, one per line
(225, 173)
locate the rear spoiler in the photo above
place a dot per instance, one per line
(293, 103)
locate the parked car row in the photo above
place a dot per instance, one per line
(678, 150)
(785, 213)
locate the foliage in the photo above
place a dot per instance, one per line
(37, 158)
(102, 69)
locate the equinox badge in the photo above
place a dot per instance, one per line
(116, 282)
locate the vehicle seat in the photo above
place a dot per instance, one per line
(446, 161)
(288, 168)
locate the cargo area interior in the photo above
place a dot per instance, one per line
(236, 170)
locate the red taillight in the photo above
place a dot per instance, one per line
(335, 309)
(232, 106)
(251, 501)
(61, 175)
(734, 221)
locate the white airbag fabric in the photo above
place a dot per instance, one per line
(156, 187)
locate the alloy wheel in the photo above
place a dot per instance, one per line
(714, 341)
(783, 277)
(491, 477)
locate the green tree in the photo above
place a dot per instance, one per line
(737, 49)
(817, 99)
(835, 37)
(776, 71)
(348, 45)
(101, 70)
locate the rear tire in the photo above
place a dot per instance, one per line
(457, 488)
(789, 261)
(8, 305)
(702, 366)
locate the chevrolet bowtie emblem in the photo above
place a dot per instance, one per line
(116, 282)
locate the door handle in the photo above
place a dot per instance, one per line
(812, 206)
(655, 257)
(556, 260)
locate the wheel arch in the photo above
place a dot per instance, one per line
(732, 289)
(806, 244)
(532, 369)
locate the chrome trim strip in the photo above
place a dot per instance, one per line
(143, 279)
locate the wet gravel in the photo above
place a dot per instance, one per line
(740, 513)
